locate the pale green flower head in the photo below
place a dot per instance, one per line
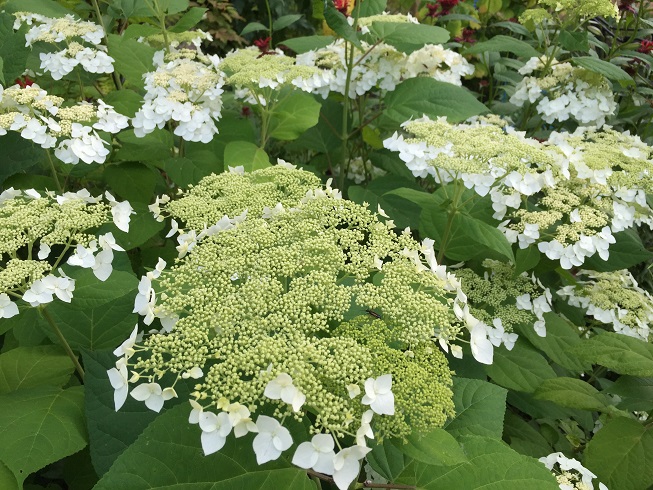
(568, 12)
(319, 290)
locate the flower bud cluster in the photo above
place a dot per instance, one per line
(382, 67)
(613, 298)
(268, 311)
(568, 195)
(71, 131)
(565, 92)
(185, 88)
(70, 31)
(36, 227)
(569, 473)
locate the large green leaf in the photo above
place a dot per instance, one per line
(39, 426)
(308, 43)
(492, 465)
(133, 181)
(628, 250)
(520, 369)
(7, 478)
(184, 171)
(293, 115)
(338, 22)
(572, 393)
(130, 8)
(96, 328)
(13, 51)
(620, 455)
(168, 453)
(388, 460)
(246, 154)
(635, 393)
(425, 96)
(49, 8)
(507, 44)
(142, 227)
(154, 146)
(371, 7)
(560, 335)
(133, 59)
(408, 37)
(480, 408)
(125, 101)
(438, 447)
(91, 292)
(189, 20)
(109, 432)
(18, 155)
(620, 353)
(524, 438)
(604, 68)
(28, 367)
(285, 20)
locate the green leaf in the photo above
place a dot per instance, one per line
(388, 460)
(391, 163)
(133, 59)
(153, 146)
(172, 7)
(338, 22)
(324, 137)
(438, 447)
(635, 393)
(90, 292)
(39, 426)
(520, 369)
(628, 250)
(620, 353)
(572, 393)
(480, 408)
(425, 96)
(574, 40)
(28, 367)
(293, 115)
(130, 8)
(2, 76)
(369, 8)
(605, 68)
(49, 8)
(7, 478)
(619, 454)
(307, 43)
(253, 27)
(408, 37)
(503, 43)
(189, 20)
(524, 438)
(526, 259)
(492, 465)
(125, 101)
(170, 449)
(514, 27)
(103, 327)
(18, 155)
(285, 20)
(247, 154)
(560, 335)
(109, 432)
(132, 181)
(13, 51)
(184, 171)
(142, 227)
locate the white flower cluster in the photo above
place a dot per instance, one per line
(66, 29)
(613, 298)
(382, 67)
(72, 131)
(588, 184)
(567, 92)
(569, 473)
(185, 88)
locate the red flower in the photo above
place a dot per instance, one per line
(467, 36)
(645, 46)
(25, 81)
(433, 9)
(341, 6)
(245, 111)
(263, 44)
(445, 7)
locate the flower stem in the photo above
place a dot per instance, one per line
(98, 14)
(64, 342)
(54, 172)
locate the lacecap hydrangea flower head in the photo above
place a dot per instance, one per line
(71, 34)
(289, 301)
(570, 473)
(38, 231)
(568, 195)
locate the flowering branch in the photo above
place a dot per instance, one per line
(64, 342)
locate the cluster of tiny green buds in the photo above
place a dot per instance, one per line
(53, 223)
(268, 312)
(613, 298)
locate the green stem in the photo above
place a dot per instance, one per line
(54, 172)
(453, 210)
(64, 343)
(267, 5)
(98, 14)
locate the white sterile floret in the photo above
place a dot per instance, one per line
(102, 267)
(145, 300)
(379, 396)
(44, 251)
(110, 120)
(38, 294)
(62, 287)
(282, 388)
(120, 384)
(317, 455)
(346, 465)
(365, 430)
(127, 347)
(215, 429)
(7, 307)
(153, 395)
(569, 472)
(272, 439)
(240, 418)
(121, 212)
(194, 416)
(482, 348)
(83, 257)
